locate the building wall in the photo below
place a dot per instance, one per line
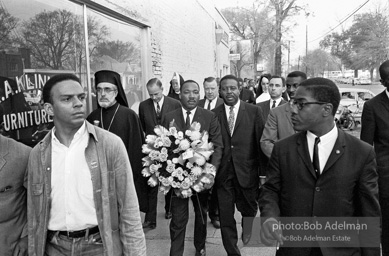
(182, 37)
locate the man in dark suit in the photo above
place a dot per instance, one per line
(279, 123)
(211, 101)
(237, 180)
(319, 172)
(182, 118)
(375, 131)
(211, 91)
(276, 89)
(151, 112)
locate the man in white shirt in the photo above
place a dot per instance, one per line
(81, 193)
(320, 172)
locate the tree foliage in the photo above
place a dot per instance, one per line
(56, 39)
(118, 50)
(317, 61)
(365, 44)
(7, 24)
(251, 24)
(284, 9)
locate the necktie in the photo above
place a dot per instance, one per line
(158, 110)
(231, 120)
(209, 104)
(316, 163)
(274, 104)
(187, 121)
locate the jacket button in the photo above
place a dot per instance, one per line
(317, 189)
(232, 146)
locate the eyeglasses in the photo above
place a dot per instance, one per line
(300, 105)
(105, 90)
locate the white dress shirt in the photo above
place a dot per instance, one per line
(278, 101)
(191, 115)
(235, 109)
(325, 146)
(213, 103)
(160, 103)
(72, 205)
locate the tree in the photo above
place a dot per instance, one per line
(317, 61)
(245, 58)
(283, 10)
(56, 39)
(251, 24)
(365, 44)
(118, 50)
(7, 24)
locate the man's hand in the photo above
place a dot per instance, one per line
(21, 248)
(269, 234)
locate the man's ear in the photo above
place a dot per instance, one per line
(49, 108)
(328, 109)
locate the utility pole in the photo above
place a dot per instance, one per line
(288, 56)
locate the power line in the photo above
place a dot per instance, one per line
(347, 17)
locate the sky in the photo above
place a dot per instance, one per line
(324, 16)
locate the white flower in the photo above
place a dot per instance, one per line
(184, 144)
(198, 187)
(164, 189)
(146, 161)
(166, 182)
(175, 184)
(170, 167)
(160, 130)
(154, 155)
(146, 149)
(195, 135)
(196, 170)
(150, 139)
(189, 165)
(154, 167)
(146, 172)
(177, 142)
(163, 157)
(188, 132)
(210, 169)
(153, 181)
(186, 193)
(196, 126)
(166, 142)
(173, 131)
(200, 160)
(185, 185)
(180, 135)
(175, 160)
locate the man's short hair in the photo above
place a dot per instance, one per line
(323, 90)
(189, 81)
(298, 74)
(384, 70)
(283, 79)
(230, 77)
(209, 79)
(153, 81)
(46, 92)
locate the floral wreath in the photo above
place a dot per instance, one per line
(178, 160)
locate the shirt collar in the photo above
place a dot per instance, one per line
(387, 92)
(80, 132)
(326, 138)
(160, 102)
(236, 107)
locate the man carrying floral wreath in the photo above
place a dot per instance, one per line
(199, 121)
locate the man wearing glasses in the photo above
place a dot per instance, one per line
(115, 116)
(320, 172)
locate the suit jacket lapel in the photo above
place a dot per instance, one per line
(302, 149)
(288, 114)
(197, 116)
(152, 110)
(337, 151)
(222, 115)
(385, 100)
(241, 112)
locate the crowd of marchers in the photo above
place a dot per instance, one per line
(276, 149)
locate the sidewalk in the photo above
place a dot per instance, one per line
(158, 240)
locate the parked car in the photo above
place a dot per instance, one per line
(354, 99)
